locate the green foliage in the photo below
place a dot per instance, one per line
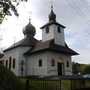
(87, 70)
(82, 68)
(75, 68)
(8, 81)
(6, 5)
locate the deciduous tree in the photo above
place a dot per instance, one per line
(87, 70)
(6, 6)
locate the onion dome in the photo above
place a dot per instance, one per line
(29, 30)
(52, 16)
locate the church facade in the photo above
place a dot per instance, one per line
(50, 56)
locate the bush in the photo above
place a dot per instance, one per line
(86, 70)
(8, 81)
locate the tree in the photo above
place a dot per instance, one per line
(6, 6)
(86, 70)
(8, 81)
(75, 68)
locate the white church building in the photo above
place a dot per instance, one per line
(50, 56)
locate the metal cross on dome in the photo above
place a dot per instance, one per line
(30, 14)
(51, 3)
(29, 19)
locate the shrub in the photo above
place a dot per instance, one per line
(8, 81)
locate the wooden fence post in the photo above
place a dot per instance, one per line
(71, 84)
(60, 85)
(27, 85)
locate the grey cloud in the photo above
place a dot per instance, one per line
(75, 15)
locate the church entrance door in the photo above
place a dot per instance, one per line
(59, 66)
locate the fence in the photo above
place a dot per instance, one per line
(58, 83)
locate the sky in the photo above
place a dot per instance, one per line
(74, 14)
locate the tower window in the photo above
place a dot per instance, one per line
(40, 63)
(47, 29)
(67, 64)
(52, 62)
(59, 30)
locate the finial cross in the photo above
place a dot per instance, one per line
(51, 3)
(30, 16)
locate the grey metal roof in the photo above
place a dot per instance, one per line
(50, 23)
(24, 42)
(49, 45)
(38, 46)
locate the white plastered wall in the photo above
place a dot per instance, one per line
(54, 34)
(48, 70)
(16, 53)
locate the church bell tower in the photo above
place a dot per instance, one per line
(53, 30)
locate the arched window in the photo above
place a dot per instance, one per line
(6, 63)
(52, 62)
(10, 58)
(40, 63)
(22, 67)
(59, 30)
(67, 64)
(14, 63)
(47, 29)
(2, 62)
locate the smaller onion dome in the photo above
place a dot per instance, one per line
(52, 15)
(29, 30)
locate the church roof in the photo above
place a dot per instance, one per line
(52, 15)
(29, 30)
(50, 46)
(38, 46)
(50, 23)
(24, 42)
(52, 19)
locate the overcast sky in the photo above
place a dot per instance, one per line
(74, 14)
